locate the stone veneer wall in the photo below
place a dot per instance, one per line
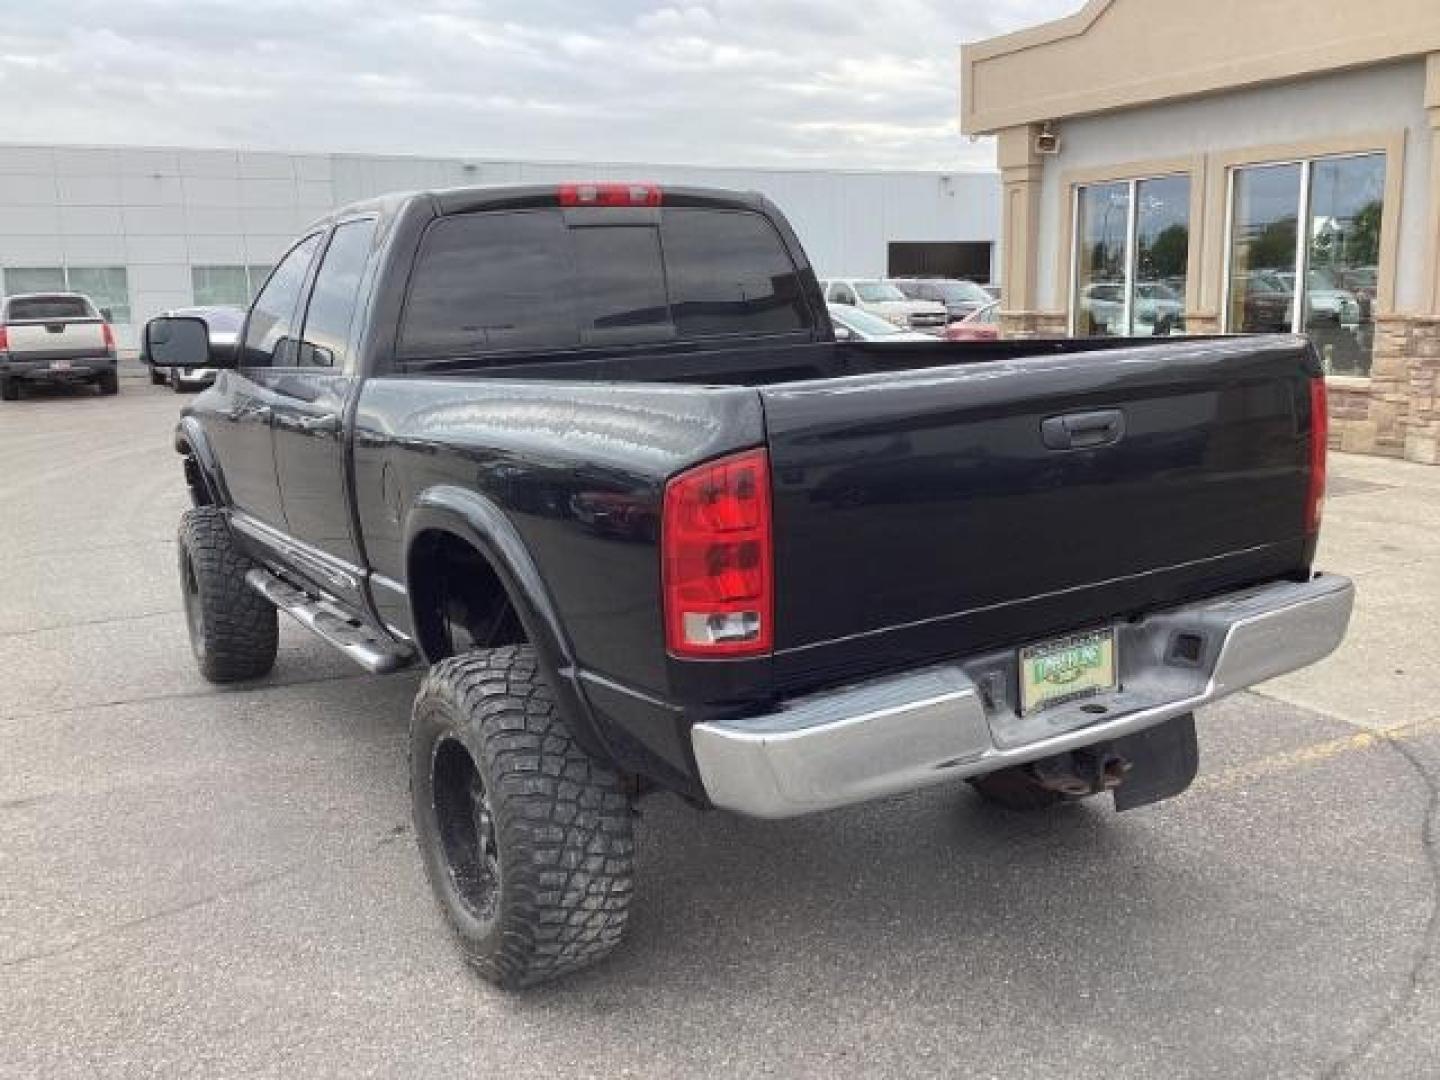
(1396, 412)
(1422, 423)
(1034, 324)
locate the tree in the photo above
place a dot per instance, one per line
(1168, 255)
(1274, 248)
(1362, 246)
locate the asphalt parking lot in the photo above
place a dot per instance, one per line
(197, 881)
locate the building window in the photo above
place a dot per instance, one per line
(29, 279)
(257, 276)
(1132, 257)
(235, 286)
(1320, 280)
(107, 286)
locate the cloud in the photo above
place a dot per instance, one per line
(735, 82)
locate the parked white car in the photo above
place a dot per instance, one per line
(55, 338)
(884, 299)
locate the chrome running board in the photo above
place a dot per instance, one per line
(329, 621)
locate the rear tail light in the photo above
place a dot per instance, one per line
(4, 339)
(1319, 444)
(109, 336)
(609, 195)
(717, 559)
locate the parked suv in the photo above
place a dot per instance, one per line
(961, 298)
(884, 299)
(55, 338)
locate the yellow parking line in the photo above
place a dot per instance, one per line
(1314, 754)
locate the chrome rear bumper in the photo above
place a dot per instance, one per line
(957, 720)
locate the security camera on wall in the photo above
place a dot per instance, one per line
(1046, 141)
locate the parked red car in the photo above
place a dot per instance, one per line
(983, 324)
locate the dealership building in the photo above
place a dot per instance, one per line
(1231, 166)
(144, 230)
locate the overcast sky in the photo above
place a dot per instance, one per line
(769, 82)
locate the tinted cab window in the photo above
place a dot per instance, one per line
(491, 283)
(270, 333)
(526, 281)
(729, 273)
(620, 285)
(336, 293)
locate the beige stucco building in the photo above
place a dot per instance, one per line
(1234, 165)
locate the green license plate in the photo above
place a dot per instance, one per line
(1071, 667)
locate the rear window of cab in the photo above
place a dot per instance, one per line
(31, 308)
(499, 282)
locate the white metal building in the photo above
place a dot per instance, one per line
(142, 230)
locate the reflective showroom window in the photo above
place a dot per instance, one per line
(1132, 257)
(108, 287)
(1318, 280)
(234, 285)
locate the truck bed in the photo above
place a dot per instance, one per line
(918, 513)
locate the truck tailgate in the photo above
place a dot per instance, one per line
(925, 514)
(59, 337)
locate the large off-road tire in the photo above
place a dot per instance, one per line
(109, 382)
(9, 390)
(527, 840)
(234, 631)
(1015, 789)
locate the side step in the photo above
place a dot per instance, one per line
(347, 634)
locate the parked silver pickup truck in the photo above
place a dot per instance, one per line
(54, 338)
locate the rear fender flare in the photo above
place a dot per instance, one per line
(482, 525)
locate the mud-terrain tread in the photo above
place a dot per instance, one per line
(241, 627)
(563, 822)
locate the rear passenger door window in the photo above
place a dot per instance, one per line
(336, 293)
(270, 339)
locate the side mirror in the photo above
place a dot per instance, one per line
(178, 341)
(107, 314)
(844, 333)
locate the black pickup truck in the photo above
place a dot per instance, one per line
(593, 454)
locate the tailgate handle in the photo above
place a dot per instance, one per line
(1084, 431)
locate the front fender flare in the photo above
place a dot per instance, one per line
(478, 522)
(191, 440)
